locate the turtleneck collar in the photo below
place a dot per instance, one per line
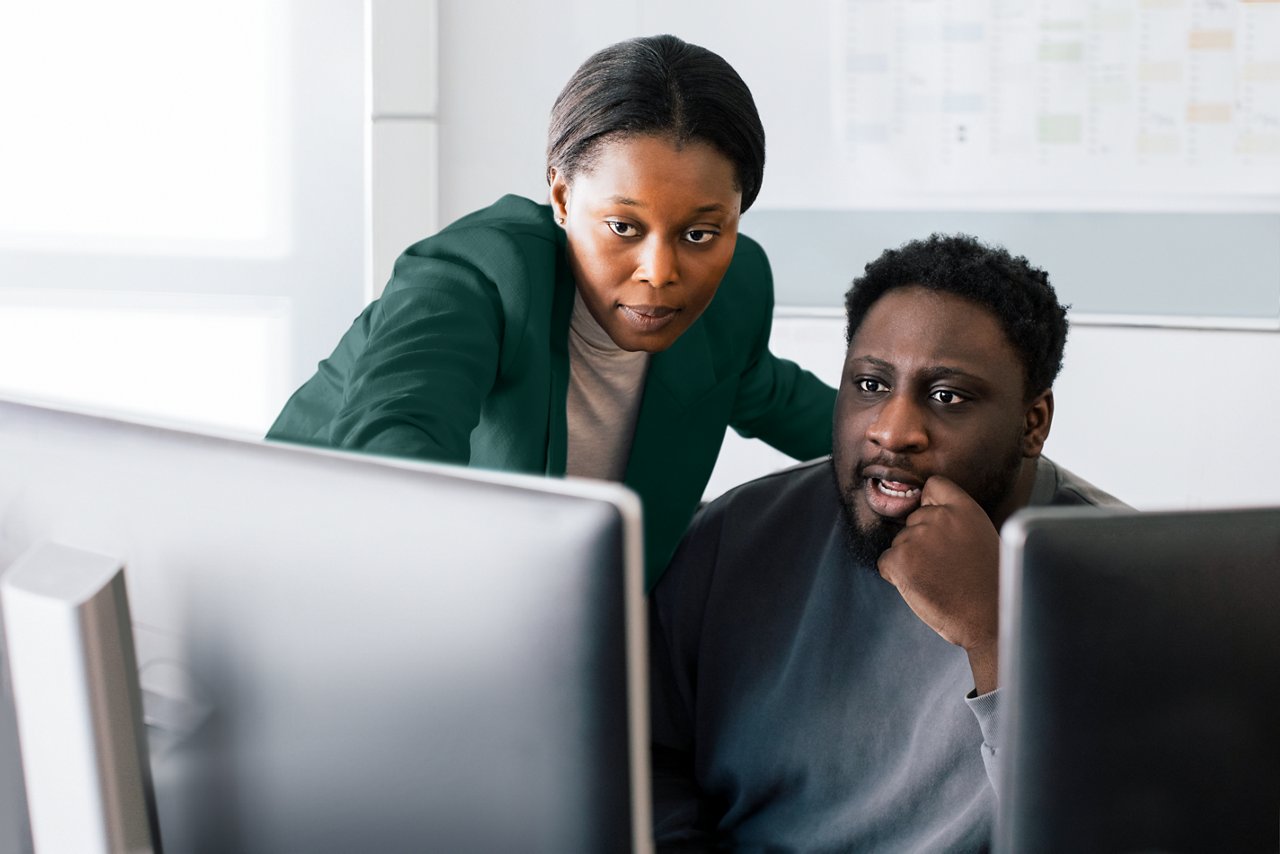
(584, 326)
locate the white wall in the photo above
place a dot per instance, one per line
(197, 198)
(182, 202)
(1167, 418)
(403, 109)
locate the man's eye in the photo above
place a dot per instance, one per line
(870, 385)
(622, 229)
(700, 235)
(947, 397)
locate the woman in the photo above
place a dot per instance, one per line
(581, 337)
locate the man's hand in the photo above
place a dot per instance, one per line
(946, 565)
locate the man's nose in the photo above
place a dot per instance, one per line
(899, 426)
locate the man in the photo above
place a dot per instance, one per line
(824, 641)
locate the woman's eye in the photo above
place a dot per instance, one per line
(700, 235)
(870, 386)
(947, 397)
(622, 229)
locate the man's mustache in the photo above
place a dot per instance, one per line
(898, 462)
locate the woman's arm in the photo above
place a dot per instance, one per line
(786, 406)
(410, 376)
(776, 400)
(417, 386)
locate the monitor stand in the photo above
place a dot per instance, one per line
(75, 687)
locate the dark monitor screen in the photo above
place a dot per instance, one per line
(1141, 662)
(341, 653)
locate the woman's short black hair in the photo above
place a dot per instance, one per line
(657, 85)
(1018, 294)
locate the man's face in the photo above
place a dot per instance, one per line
(931, 386)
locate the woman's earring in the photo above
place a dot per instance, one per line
(559, 220)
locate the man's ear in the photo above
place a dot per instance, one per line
(1036, 423)
(559, 194)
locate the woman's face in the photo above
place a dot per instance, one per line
(651, 229)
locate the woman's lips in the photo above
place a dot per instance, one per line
(891, 498)
(647, 318)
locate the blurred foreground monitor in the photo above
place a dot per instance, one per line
(341, 653)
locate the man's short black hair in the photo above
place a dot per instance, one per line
(1018, 294)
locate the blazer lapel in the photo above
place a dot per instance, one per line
(678, 377)
(674, 444)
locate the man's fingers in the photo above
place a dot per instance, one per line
(889, 561)
(922, 515)
(941, 490)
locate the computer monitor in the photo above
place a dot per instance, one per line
(345, 653)
(1141, 671)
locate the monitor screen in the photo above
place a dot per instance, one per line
(1141, 673)
(341, 653)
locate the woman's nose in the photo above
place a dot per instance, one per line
(658, 264)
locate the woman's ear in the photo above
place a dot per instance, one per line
(1036, 424)
(559, 194)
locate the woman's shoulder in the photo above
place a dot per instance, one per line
(511, 213)
(749, 254)
(513, 225)
(749, 274)
(508, 242)
(505, 258)
(745, 295)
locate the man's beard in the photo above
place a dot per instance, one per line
(865, 544)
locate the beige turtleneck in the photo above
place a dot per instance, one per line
(605, 387)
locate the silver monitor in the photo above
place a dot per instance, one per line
(342, 653)
(1141, 665)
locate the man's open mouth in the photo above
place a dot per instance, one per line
(894, 494)
(896, 489)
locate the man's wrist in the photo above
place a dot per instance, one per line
(984, 662)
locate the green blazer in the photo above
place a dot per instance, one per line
(464, 359)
